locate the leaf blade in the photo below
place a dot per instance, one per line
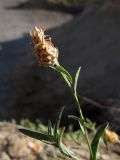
(76, 80)
(63, 70)
(80, 121)
(50, 129)
(57, 124)
(96, 140)
(37, 135)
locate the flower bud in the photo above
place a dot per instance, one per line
(111, 136)
(45, 52)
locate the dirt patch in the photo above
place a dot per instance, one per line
(15, 146)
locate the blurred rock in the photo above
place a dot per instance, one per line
(16, 57)
(105, 7)
(92, 41)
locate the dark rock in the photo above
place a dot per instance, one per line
(91, 40)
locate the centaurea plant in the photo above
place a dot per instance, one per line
(47, 56)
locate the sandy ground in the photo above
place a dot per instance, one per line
(15, 146)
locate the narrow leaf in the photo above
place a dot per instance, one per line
(37, 135)
(61, 134)
(76, 79)
(67, 152)
(65, 74)
(57, 124)
(80, 121)
(63, 70)
(96, 140)
(89, 124)
(66, 79)
(50, 129)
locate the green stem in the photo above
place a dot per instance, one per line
(82, 117)
(83, 128)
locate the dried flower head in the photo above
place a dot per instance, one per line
(45, 52)
(111, 136)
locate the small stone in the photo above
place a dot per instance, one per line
(4, 156)
(17, 146)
